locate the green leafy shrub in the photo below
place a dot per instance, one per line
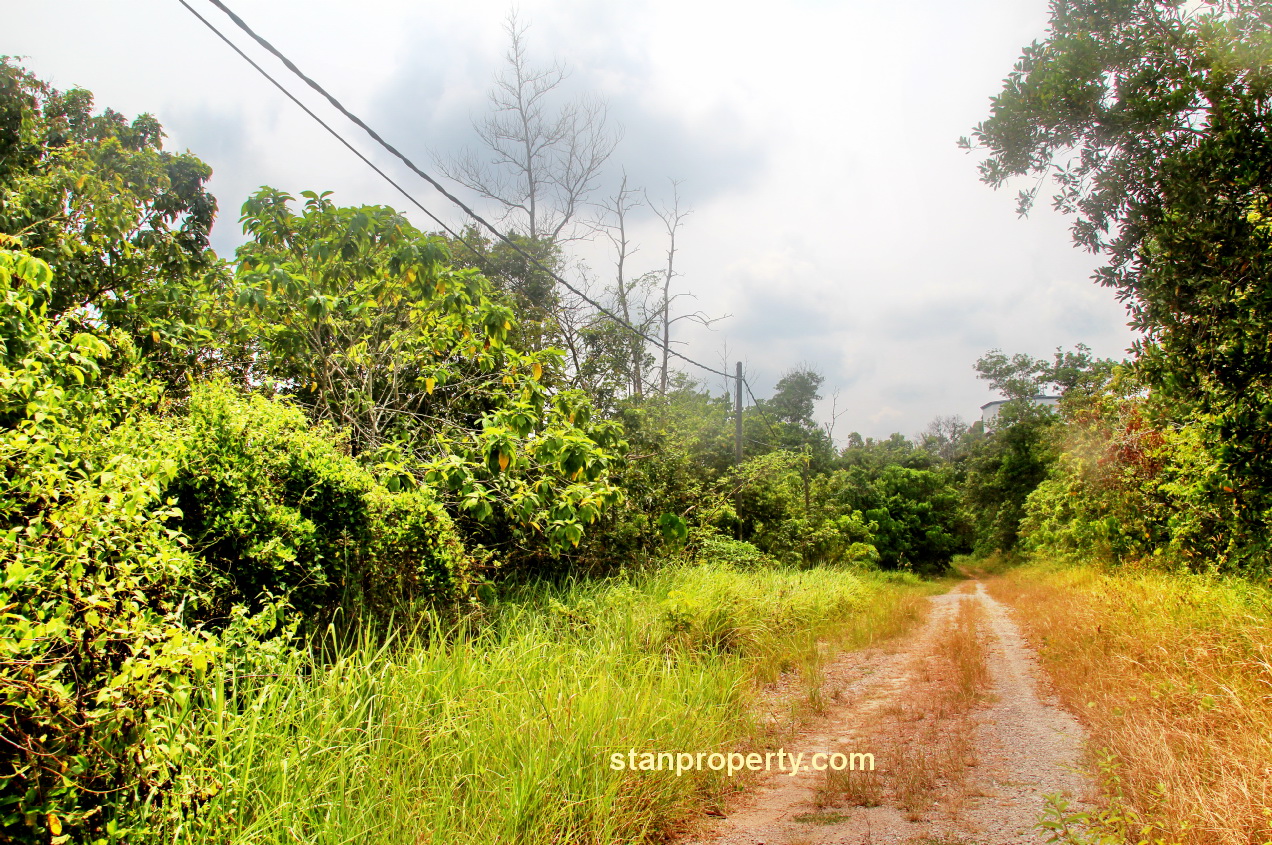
(898, 516)
(713, 547)
(1136, 480)
(274, 506)
(126, 529)
(413, 553)
(364, 320)
(95, 652)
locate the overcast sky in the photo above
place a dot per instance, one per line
(833, 218)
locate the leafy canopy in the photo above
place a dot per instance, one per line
(1152, 118)
(123, 223)
(364, 319)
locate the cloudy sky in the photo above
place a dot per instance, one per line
(834, 218)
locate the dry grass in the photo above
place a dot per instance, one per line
(857, 788)
(963, 648)
(1172, 675)
(793, 689)
(925, 740)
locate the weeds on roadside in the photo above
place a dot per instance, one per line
(1171, 675)
(503, 730)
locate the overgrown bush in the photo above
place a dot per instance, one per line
(1131, 482)
(94, 594)
(364, 321)
(708, 545)
(127, 528)
(274, 506)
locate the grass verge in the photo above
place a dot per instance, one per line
(503, 731)
(1172, 675)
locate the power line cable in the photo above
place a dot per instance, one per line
(476, 254)
(755, 403)
(323, 123)
(290, 65)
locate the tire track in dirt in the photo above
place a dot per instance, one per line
(950, 769)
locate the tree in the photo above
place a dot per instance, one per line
(1021, 377)
(1153, 118)
(1004, 467)
(1002, 470)
(123, 223)
(793, 398)
(362, 318)
(912, 509)
(785, 421)
(946, 437)
(540, 162)
(644, 301)
(518, 272)
(627, 285)
(672, 217)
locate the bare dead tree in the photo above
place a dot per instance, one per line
(574, 320)
(943, 436)
(538, 161)
(835, 414)
(614, 226)
(672, 217)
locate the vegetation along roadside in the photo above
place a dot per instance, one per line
(372, 533)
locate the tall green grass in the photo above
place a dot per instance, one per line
(500, 730)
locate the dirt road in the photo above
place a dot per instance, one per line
(966, 742)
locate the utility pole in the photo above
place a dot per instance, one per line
(737, 419)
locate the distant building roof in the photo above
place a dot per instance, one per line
(989, 411)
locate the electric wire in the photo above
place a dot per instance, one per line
(375, 136)
(755, 403)
(476, 254)
(335, 134)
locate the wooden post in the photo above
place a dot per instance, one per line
(737, 418)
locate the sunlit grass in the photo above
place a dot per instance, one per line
(502, 730)
(1172, 675)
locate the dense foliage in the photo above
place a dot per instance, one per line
(95, 649)
(194, 465)
(1155, 119)
(363, 319)
(123, 223)
(209, 464)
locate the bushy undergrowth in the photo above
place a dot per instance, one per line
(1136, 478)
(274, 506)
(501, 729)
(113, 577)
(1171, 674)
